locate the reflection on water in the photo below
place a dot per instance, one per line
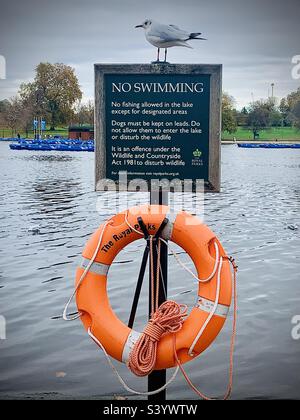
(47, 213)
(43, 157)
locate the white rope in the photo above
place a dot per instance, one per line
(129, 225)
(213, 311)
(67, 317)
(190, 271)
(178, 259)
(217, 266)
(121, 380)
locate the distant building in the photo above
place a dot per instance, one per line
(84, 132)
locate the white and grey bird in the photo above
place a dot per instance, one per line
(167, 36)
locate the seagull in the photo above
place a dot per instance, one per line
(166, 36)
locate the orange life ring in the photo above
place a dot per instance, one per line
(197, 240)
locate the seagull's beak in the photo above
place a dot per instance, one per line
(139, 26)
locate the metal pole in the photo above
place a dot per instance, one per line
(158, 377)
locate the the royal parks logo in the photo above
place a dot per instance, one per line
(197, 161)
(197, 153)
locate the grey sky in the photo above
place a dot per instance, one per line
(255, 40)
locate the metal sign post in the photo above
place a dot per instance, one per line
(157, 378)
(35, 127)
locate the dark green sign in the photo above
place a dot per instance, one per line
(157, 125)
(157, 122)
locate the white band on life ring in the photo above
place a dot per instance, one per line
(131, 340)
(207, 306)
(166, 234)
(97, 268)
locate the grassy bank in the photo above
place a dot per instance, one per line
(274, 133)
(59, 131)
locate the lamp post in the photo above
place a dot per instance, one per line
(272, 86)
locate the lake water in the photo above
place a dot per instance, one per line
(48, 210)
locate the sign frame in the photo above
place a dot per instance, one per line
(215, 73)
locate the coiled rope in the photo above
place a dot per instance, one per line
(167, 319)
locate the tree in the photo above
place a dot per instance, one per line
(3, 109)
(242, 117)
(261, 115)
(3, 105)
(289, 108)
(229, 122)
(276, 118)
(26, 117)
(296, 114)
(53, 92)
(285, 112)
(12, 114)
(16, 115)
(84, 114)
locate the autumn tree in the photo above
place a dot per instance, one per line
(12, 114)
(242, 117)
(263, 114)
(296, 114)
(84, 114)
(53, 92)
(290, 107)
(229, 122)
(3, 108)
(3, 105)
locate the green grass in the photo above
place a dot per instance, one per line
(7, 132)
(279, 133)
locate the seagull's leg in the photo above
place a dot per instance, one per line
(158, 50)
(166, 50)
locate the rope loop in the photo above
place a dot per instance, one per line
(154, 331)
(168, 318)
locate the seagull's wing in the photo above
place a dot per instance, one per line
(168, 33)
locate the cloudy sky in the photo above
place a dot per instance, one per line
(255, 40)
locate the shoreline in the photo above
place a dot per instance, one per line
(260, 141)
